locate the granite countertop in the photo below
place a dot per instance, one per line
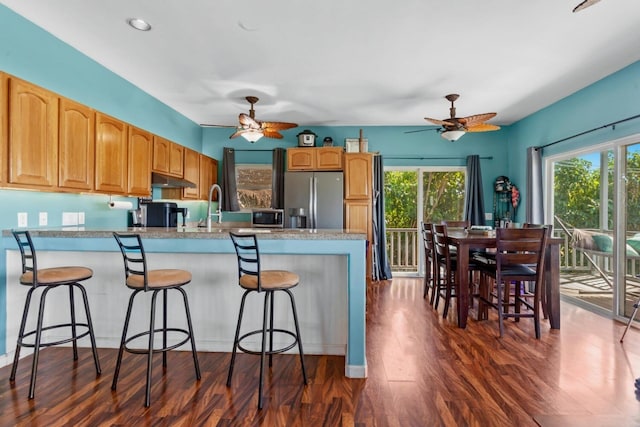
(216, 232)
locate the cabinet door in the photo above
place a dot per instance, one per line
(111, 155)
(357, 216)
(208, 175)
(301, 159)
(161, 154)
(4, 126)
(329, 158)
(176, 160)
(358, 179)
(33, 135)
(139, 162)
(191, 173)
(76, 144)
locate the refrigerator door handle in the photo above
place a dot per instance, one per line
(311, 206)
(315, 202)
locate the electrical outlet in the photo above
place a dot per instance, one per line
(488, 216)
(81, 218)
(22, 219)
(69, 218)
(42, 219)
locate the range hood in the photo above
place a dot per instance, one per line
(166, 181)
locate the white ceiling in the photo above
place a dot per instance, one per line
(350, 62)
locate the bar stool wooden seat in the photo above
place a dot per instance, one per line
(47, 279)
(140, 279)
(252, 278)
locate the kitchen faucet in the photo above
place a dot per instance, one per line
(218, 212)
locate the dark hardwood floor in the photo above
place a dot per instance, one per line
(423, 371)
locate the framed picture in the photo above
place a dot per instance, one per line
(352, 145)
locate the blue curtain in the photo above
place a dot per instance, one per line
(474, 199)
(381, 269)
(229, 188)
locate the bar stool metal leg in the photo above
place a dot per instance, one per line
(125, 329)
(295, 321)
(23, 323)
(190, 326)
(72, 305)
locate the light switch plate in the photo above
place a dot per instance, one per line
(69, 218)
(42, 218)
(22, 219)
(488, 216)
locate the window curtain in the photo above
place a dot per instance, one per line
(535, 206)
(381, 269)
(474, 198)
(277, 179)
(229, 188)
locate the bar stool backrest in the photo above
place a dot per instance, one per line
(441, 246)
(27, 253)
(135, 261)
(521, 246)
(456, 224)
(246, 246)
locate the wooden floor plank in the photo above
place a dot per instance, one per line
(423, 371)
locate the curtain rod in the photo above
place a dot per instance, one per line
(432, 158)
(613, 124)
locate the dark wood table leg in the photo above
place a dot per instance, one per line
(462, 285)
(552, 284)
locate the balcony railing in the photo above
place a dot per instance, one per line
(404, 246)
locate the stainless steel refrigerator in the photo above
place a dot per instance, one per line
(317, 195)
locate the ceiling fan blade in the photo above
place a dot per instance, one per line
(422, 130)
(271, 133)
(439, 122)
(278, 125)
(482, 127)
(476, 119)
(585, 4)
(207, 125)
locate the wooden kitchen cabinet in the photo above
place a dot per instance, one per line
(358, 176)
(4, 126)
(32, 150)
(139, 162)
(76, 146)
(314, 158)
(191, 173)
(208, 175)
(111, 168)
(357, 214)
(167, 157)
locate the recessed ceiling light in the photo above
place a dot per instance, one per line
(139, 24)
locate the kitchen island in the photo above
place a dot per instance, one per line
(331, 296)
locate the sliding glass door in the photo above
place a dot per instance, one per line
(595, 207)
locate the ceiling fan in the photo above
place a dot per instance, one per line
(251, 129)
(454, 127)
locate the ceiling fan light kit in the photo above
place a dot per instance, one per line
(452, 135)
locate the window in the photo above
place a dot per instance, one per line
(253, 182)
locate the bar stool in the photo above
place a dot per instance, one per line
(140, 279)
(48, 279)
(252, 279)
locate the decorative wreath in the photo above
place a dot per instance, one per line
(515, 196)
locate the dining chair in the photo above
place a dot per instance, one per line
(519, 258)
(429, 260)
(456, 223)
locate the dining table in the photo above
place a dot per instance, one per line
(465, 241)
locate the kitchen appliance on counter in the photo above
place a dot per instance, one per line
(267, 218)
(306, 138)
(164, 214)
(319, 195)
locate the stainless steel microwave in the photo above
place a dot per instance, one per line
(267, 218)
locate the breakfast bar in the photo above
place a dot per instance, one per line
(331, 296)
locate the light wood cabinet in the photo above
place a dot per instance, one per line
(208, 175)
(4, 126)
(76, 145)
(357, 214)
(111, 155)
(139, 162)
(33, 136)
(191, 173)
(358, 179)
(167, 157)
(312, 158)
